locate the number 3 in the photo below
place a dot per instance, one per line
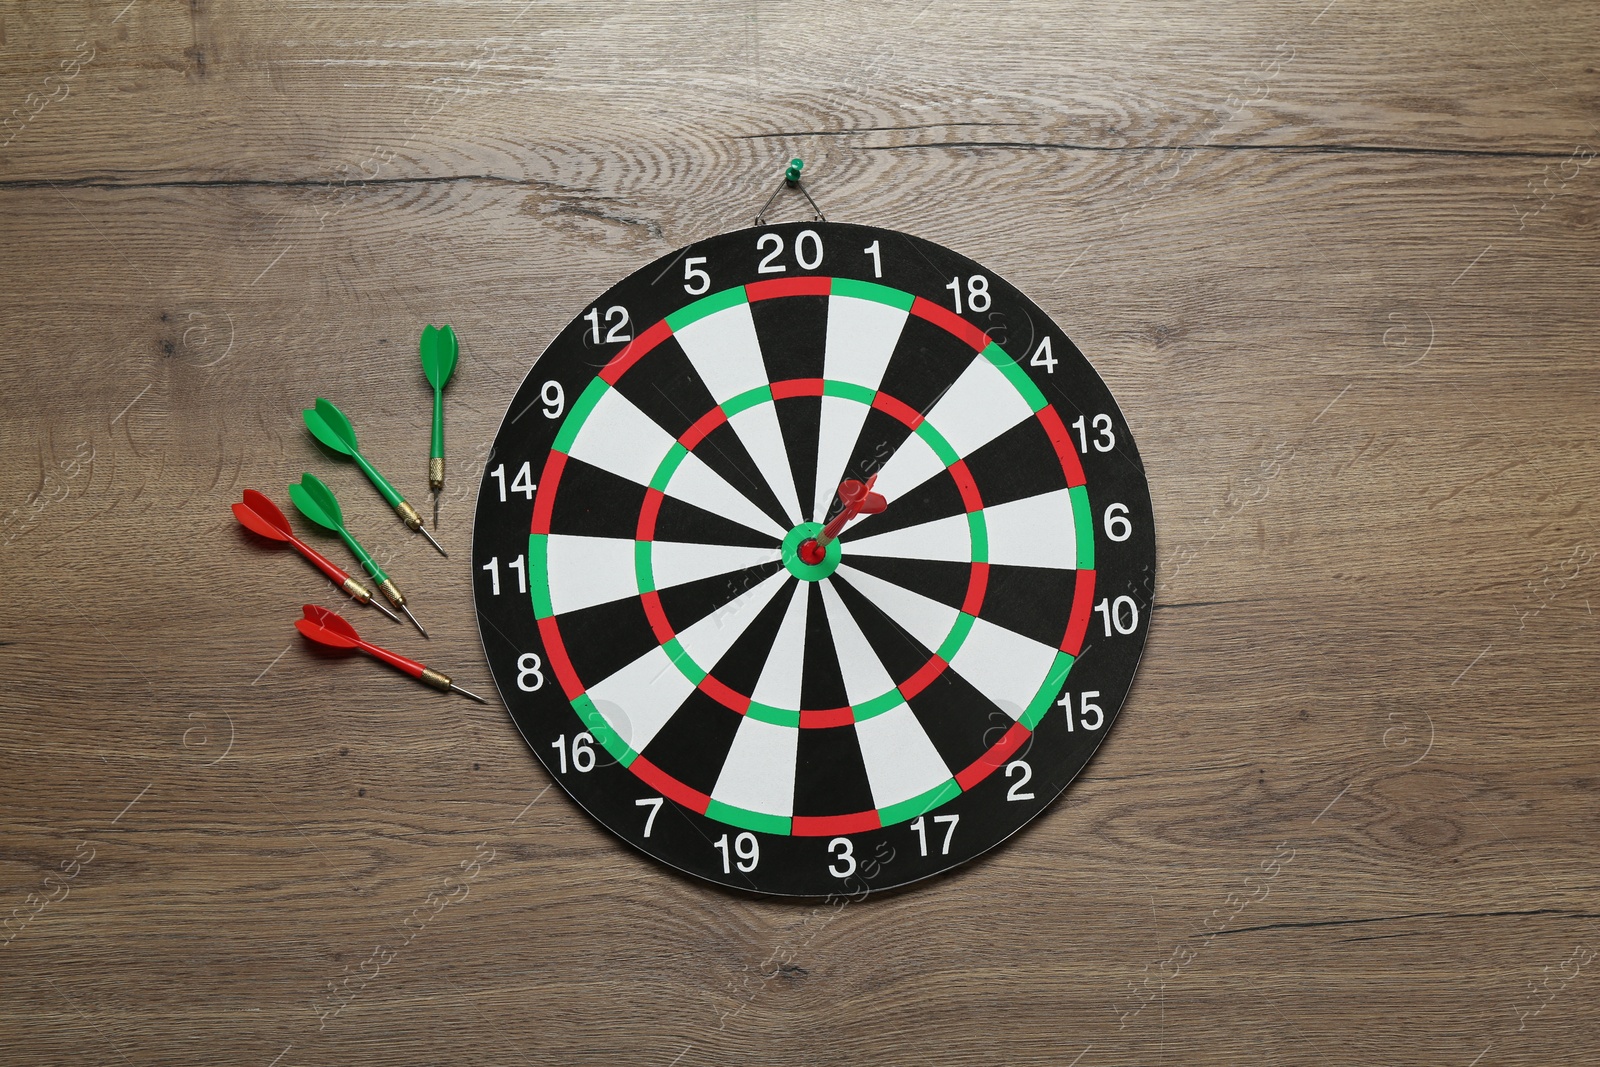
(841, 848)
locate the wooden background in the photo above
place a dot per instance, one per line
(1338, 262)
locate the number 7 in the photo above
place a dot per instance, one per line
(654, 804)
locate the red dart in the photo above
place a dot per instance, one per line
(258, 514)
(326, 628)
(859, 499)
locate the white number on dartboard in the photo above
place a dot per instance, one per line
(1104, 440)
(582, 752)
(877, 259)
(807, 252)
(654, 804)
(745, 848)
(1112, 613)
(844, 852)
(922, 832)
(1043, 358)
(555, 401)
(1085, 710)
(1118, 526)
(528, 665)
(522, 483)
(977, 293)
(519, 565)
(616, 318)
(695, 281)
(1021, 767)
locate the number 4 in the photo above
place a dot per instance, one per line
(1043, 358)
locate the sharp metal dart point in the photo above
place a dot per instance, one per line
(454, 688)
(377, 604)
(414, 621)
(423, 530)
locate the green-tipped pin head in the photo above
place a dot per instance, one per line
(316, 502)
(330, 426)
(438, 349)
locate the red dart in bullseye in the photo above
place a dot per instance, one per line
(859, 499)
(258, 514)
(326, 628)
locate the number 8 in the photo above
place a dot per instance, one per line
(529, 663)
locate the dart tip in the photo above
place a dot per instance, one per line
(423, 530)
(413, 619)
(374, 602)
(454, 688)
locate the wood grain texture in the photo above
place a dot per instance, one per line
(1337, 262)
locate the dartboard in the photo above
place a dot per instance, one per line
(813, 559)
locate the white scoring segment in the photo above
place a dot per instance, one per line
(949, 539)
(779, 684)
(901, 762)
(619, 438)
(861, 338)
(757, 428)
(758, 772)
(708, 639)
(913, 463)
(727, 355)
(675, 562)
(1006, 667)
(1036, 531)
(980, 406)
(927, 620)
(864, 674)
(585, 571)
(639, 699)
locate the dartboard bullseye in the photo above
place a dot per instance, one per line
(813, 559)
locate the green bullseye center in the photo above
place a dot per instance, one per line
(810, 572)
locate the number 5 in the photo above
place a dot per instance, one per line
(692, 275)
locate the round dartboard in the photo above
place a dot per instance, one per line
(813, 559)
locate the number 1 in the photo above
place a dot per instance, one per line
(877, 260)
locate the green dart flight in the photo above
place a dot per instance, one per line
(438, 349)
(330, 426)
(316, 502)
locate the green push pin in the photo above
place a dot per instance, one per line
(438, 349)
(316, 502)
(330, 426)
(791, 175)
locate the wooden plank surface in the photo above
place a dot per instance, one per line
(1336, 261)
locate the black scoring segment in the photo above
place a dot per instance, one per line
(822, 685)
(1019, 463)
(1035, 602)
(830, 775)
(603, 639)
(694, 743)
(665, 386)
(741, 666)
(926, 362)
(689, 602)
(596, 503)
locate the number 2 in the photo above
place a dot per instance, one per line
(1014, 793)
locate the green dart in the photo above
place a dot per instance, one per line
(329, 425)
(317, 503)
(438, 348)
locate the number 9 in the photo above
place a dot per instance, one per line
(555, 400)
